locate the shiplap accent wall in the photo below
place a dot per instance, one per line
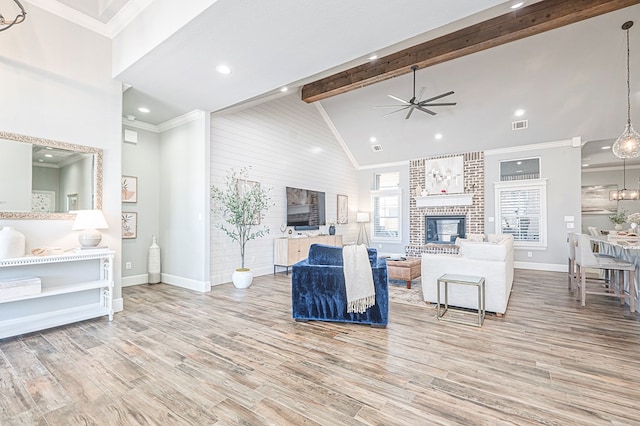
(286, 142)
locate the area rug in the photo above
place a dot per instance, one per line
(399, 293)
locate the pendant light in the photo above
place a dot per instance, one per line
(624, 193)
(628, 144)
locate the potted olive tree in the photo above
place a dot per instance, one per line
(241, 204)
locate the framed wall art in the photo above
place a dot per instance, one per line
(445, 175)
(343, 210)
(43, 201)
(129, 225)
(595, 199)
(129, 186)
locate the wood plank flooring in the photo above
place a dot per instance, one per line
(177, 357)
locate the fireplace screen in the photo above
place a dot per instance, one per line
(444, 229)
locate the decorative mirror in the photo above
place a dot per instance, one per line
(45, 179)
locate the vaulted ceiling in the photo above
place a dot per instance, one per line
(570, 81)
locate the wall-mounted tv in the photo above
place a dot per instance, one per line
(305, 209)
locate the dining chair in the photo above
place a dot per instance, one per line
(586, 258)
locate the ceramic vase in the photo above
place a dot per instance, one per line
(154, 262)
(12, 243)
(242, 278)
(618, 227)
(332, 230)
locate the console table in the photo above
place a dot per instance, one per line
(88, 275)
(288, 251)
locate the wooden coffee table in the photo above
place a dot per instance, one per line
(406, 270)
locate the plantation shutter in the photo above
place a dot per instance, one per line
(521, 210)
(386, 207)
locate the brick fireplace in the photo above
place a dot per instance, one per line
(474, 213)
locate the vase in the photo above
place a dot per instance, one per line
(154, 262)
(618, 227)
(242, 277)
(332, 230)
(12, 243)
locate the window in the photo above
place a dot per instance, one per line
(523, 169)
(386, 201)
(521, 210)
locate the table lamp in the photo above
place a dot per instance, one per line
(362, 218)
(89, 221)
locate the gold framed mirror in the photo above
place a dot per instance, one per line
(47, 179)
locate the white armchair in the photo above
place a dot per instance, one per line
(492, 259)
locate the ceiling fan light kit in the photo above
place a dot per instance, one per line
(628, 144)
(415, 102)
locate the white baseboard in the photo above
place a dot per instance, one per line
(226, 278)
(551, 267)
(202, 286)
(135, 280)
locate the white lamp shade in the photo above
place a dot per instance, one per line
(362, 217)
(89, 219)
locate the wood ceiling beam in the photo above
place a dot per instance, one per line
(534, 19)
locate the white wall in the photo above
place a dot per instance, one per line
(142, 160)
(286, 142)
(560, 164)
(15, 176)
(184, 202)
(56, 84)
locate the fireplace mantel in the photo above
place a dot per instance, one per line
(445, 200)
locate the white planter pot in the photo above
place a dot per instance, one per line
(242, 278)
(12, 243)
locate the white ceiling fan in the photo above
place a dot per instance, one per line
(415, 102)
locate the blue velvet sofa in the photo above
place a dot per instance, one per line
(318, 291)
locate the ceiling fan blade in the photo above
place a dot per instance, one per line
(440, 104)
(422, 89)
(409, 113)
(437, 97)
(390, 106)
(398, 110)
(399, 100)
(426, 110)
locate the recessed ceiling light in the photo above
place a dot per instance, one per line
(372, 57)
(373, 139)
(517, 5)
(41, 160)
(144, 109)
(519, 162)
(519, 112)
(48, 147)
(48, 155)
(284, 89)
(585, 165)
(518, 171)
(223, 69)
(606, 147)
(438, 136)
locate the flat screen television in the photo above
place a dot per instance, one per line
(305, 209)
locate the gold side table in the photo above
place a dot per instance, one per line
(448, 279)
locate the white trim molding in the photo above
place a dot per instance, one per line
(445, 200)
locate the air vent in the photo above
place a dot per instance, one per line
(520, 125)
(376, 148)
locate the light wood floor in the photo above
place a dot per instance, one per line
(236, 357)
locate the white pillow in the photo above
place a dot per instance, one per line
(475, 237)
(496, 238)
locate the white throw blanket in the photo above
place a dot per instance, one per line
(358, 278)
